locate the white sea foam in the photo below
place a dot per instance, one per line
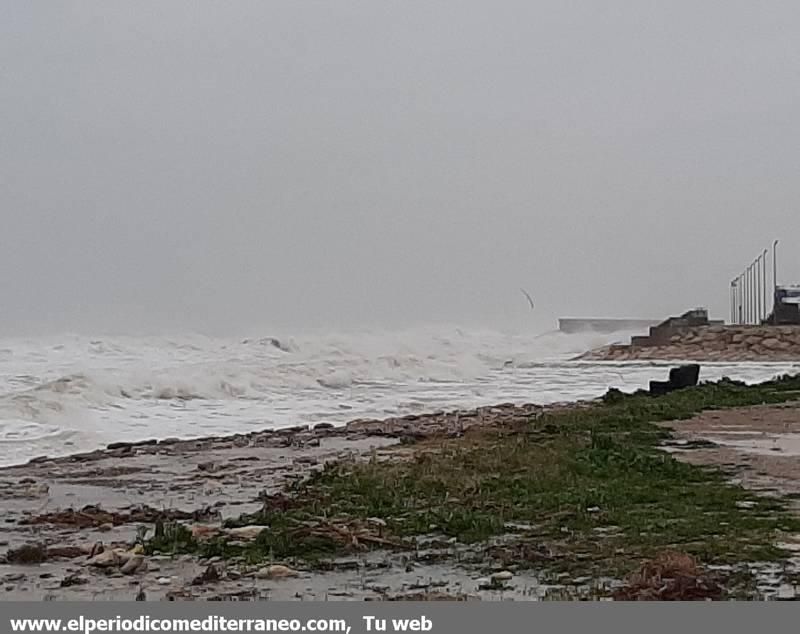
(60, 395)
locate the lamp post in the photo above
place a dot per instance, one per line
(738, 281)
(758, 289)
(774, 280)
(743, 282)
(764, 283)
(752, 291)
(755, 291)
(743, 306)
(739, 291)
(740, 284)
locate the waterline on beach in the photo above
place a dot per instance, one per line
(61, 395)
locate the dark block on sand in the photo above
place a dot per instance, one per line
(684, 376)
(657, 388)
(679, 378)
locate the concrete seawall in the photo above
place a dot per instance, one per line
(573, 325)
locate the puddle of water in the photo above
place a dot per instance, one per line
(768, 444)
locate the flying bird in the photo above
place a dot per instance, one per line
(525, 293)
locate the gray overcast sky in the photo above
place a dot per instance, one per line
(229, 165)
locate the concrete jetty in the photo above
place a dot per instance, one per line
(591, 324)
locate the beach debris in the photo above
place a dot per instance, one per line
(13, 578)
(164, 581)
(486, 583)
(203, 532)
(352, 534)
(246, 533)
(66, 552)
(73, 579)
(211, 487)
(496, 581)
(92, 516)
(116, 557)
(37, 553)
(135, 564)
(106, 559)
(210, 575)
(27, 554)
(428, 596)
(25, 488)
(672, 576)
(276, 571)
(37, 490)
(248, 594)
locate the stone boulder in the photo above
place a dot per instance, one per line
(679, 378)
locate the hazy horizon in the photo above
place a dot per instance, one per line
(197, 166)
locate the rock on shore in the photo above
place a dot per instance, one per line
(712, 343)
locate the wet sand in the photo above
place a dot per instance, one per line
(759, 446)
(70, 505)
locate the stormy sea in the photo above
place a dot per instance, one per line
(66, 394)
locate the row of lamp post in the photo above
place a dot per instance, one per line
(749, 291)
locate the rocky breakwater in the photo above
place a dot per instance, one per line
(710, 343)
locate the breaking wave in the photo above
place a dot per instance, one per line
(92, 391)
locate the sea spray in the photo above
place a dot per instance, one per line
(66, 394)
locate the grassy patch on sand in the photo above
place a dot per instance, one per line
(583, 490)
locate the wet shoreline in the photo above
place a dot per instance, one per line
(73, 506)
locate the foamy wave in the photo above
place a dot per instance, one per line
(22, 431)
(129, 388)
(107, 372)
